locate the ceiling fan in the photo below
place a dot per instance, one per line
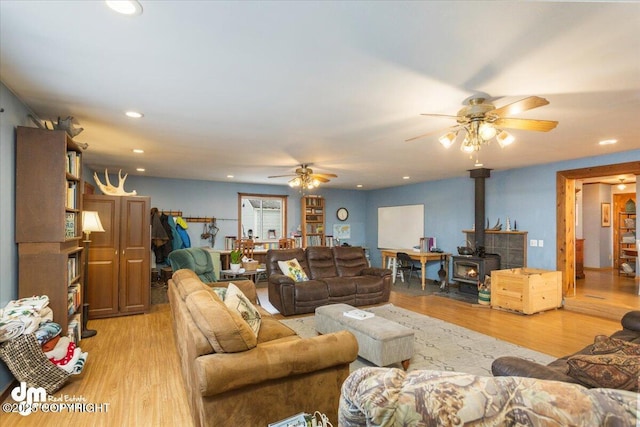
(304, 177)
(480, 121)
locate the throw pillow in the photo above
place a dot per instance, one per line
(220, 291)
(615, 370)
(605, 345)
(225, 330)
(293, 269)
(236, 300)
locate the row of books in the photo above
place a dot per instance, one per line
(314, 241)
(315, 228)
(70, 224)
(72, 199)
(74, 329)
(72, 268)
(74, 299)
(73, 163)
(313, 201)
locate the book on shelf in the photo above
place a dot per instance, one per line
(72, 268)
(358, 314)
(71, 195)
(70, 224)
(73, 299)
(74, 328)
(73, 163)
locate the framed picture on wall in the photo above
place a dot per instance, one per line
(605, 215)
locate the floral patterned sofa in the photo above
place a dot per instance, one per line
(392, 397)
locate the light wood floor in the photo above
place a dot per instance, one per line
(133, 366)
(605, 293)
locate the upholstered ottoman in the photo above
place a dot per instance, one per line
(380, 341)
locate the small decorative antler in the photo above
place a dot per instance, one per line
(110, 189)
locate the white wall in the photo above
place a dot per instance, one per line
(598, 245)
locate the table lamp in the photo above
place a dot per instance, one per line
(90, 223)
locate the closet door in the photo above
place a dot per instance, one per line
(135, 249)
(102, 292)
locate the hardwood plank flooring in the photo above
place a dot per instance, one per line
(134, 368)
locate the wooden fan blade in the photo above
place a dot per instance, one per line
(281, 176)
(325, 175)
(440, 115)
(439, 131)
(526, 124)
(519, 106)
(320, 178)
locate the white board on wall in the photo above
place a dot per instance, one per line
(400, 227)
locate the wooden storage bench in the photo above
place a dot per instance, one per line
(527, 290)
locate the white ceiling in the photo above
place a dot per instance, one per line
(253, 89)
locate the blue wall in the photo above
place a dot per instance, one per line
(526, 195)
(14, 114)
(220, 200)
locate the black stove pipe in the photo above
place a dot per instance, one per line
(479, 176)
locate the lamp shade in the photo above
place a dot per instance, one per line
(91, 222)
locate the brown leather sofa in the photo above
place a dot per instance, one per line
(336, 275)
(233, 377)
(561, 369)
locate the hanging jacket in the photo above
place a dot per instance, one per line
(181, 228)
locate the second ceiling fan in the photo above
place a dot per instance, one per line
(305, 178)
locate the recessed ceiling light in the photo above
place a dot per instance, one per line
(138, 151)
(406, 177)
(608, 141)
(134, 114)
(125, 7)
(359, 185)
(229, 176)
(140, 169)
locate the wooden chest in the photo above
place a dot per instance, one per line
(527, 290)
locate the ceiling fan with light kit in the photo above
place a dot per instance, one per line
(305, 178)
(480, 121)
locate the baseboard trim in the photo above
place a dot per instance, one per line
(6, 392)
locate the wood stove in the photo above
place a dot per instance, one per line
(468, 270)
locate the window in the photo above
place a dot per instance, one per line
(263, 217)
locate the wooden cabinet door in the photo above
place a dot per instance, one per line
(104, 250)
(135, 247)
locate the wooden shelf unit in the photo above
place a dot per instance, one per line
(48, 216)
(626, 227)
(313, 215)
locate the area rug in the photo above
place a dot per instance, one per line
(438, 345)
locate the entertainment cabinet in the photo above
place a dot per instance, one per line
(119, 258)
(48, 229)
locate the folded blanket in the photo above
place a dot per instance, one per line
(10, 329)
(46, 331)
(51, 344)
(64, 349)
(79, 365)
(36, 302)
(71, 362)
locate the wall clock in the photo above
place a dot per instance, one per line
(342, 214)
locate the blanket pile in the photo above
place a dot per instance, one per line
(32, 315)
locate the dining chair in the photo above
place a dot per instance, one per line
(246, 246)
(406, 264)
(286, 243)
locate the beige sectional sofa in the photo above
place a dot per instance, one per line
(234, 377)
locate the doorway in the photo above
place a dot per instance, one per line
(565, 227)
